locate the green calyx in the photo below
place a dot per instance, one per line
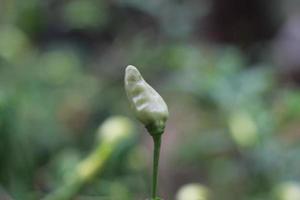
(149, 107)
(157, 128)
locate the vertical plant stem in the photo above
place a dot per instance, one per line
(156, 152)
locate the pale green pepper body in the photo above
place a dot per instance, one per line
(148, 105)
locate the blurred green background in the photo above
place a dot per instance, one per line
(228, 69)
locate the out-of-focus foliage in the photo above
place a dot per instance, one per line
(229, 73)
(113, 132)
(287, 191)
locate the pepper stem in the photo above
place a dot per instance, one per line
(156, 152)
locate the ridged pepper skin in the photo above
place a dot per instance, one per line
(148, 106)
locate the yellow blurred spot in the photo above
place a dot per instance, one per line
(243, 129)
(193, 191)
(115, 129)
(288, 191)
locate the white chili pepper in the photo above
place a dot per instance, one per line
(148, 105)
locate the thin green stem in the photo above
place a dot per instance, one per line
(156, 152)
